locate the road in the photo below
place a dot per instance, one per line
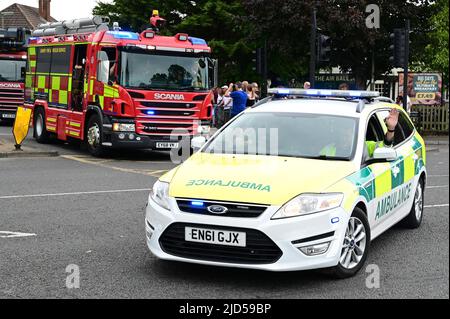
(78, 210)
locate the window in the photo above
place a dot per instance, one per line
(144, 69)
(406, 125)
(107, 65)
(43, 59)
(60, 59)
(12, 70)
(304, 135)
(404, 128)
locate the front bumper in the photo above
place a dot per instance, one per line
(282, 232)
(138, 141)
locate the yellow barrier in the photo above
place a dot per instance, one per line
(21, 125)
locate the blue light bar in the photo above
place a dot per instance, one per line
(150, 112)
(325, 93)
(197, 203)
(197, 41)
(124, 35)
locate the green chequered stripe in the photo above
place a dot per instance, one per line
(365, 181)
(399, 167)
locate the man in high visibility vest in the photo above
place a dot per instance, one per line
(391, 123)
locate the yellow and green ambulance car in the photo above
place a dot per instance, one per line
(303, 180)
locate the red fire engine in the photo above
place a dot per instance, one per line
(12, 70)
(117, 89)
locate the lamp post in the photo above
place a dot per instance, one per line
(3, 14)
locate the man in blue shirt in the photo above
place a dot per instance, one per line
(239, 98)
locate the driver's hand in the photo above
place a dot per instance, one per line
(392, 119)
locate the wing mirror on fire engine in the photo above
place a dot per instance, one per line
(198, 142)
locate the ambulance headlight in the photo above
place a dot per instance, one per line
(309, 204)
(124, 127)
(160, 194)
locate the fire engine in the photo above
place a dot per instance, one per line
(118, 89)
(12, 70)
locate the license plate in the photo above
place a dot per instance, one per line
(9, 116)
(215, 237)
(167, 145)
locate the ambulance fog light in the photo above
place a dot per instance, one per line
(315, 250)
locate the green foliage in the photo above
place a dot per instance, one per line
(214, 20)
(436, 52)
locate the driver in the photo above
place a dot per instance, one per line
(391, 121)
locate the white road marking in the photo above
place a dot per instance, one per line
(77, 193)
(435, 206)
(10, 234)
(440, 186)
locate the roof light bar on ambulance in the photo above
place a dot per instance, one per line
(325, 93)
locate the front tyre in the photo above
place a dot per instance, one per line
(355, 247)
(40, 130)
(94, 137)
(415, 216)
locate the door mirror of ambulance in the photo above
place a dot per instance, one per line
(385, 154)
(198, 142)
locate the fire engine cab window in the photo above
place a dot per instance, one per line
(166, 72)
(11, 70)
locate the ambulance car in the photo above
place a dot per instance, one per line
(265, 192)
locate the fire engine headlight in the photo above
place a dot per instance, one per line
(160, 194)
(309, 204)
(124, 127)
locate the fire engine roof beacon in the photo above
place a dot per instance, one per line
(118, 89)
(303, 180)
(12, 70)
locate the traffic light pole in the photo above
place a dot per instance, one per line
(312, 61)
(405, 67)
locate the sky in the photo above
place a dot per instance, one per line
(61, 9)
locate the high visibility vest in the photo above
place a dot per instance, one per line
(330, 150)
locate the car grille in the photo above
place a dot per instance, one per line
(260, 249)
(233, 209)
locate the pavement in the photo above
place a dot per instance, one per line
(74, 211)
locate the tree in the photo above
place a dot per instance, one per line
(216, 21)
(287, 25)
(436, 52)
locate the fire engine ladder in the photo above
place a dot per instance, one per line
(86, 25)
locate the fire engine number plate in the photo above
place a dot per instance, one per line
(167, 145)
(9, 116)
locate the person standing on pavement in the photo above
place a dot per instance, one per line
(226, 105)
(307, 85)
(239, 98)
(251, 96)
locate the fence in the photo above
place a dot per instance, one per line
(431, 118)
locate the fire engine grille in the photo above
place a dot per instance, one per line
(168, 105)
(259, 249)
(165, 128)
(170, 113)
(233, 209)
(10, 99)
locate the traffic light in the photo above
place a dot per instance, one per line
(259, 61)
(398, 49)
(323, 48)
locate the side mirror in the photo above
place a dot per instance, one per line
(385, 154)
(198, 142)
